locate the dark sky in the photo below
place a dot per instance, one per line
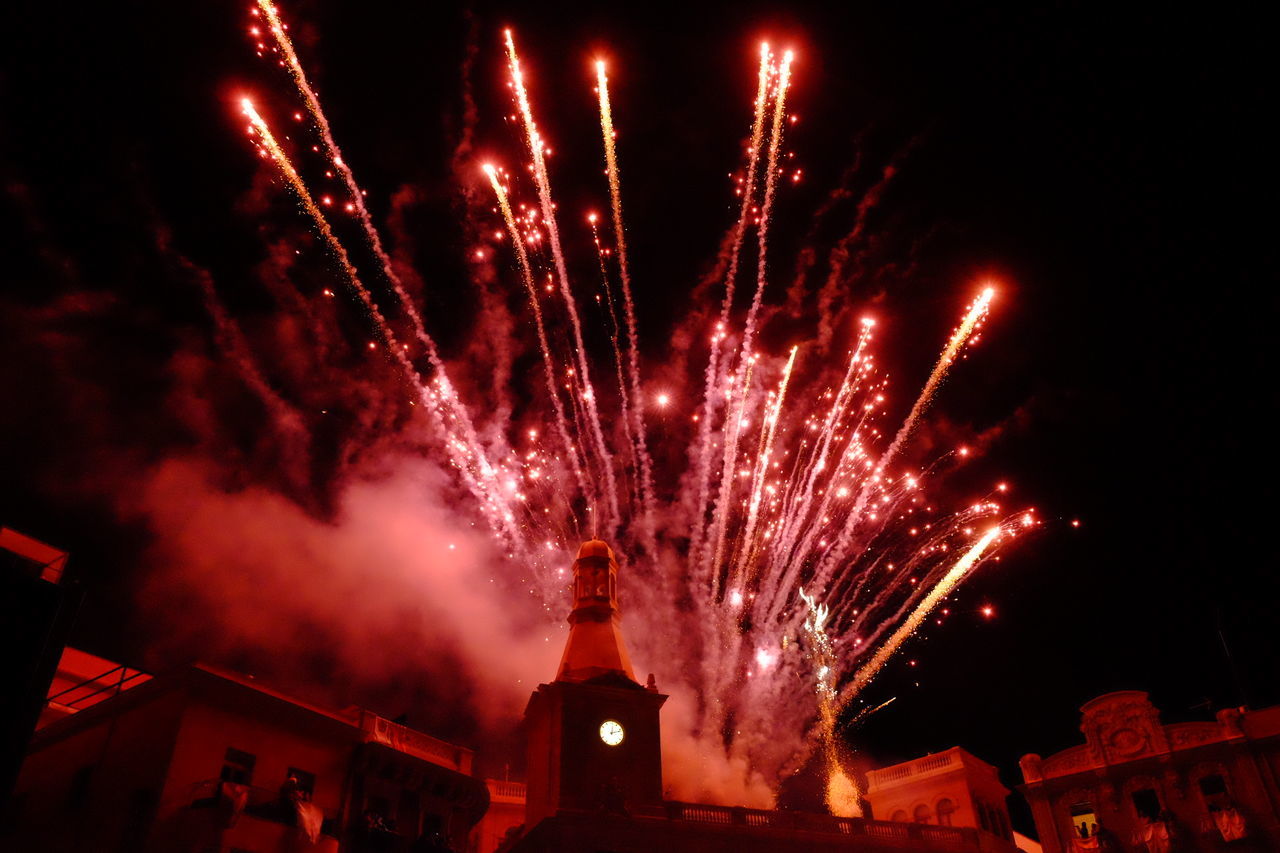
(1108, 166)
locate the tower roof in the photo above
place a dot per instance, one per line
(596, 548)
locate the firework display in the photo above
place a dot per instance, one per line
(775, 573)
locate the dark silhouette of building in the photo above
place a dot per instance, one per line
(1139, 785)
(595, 762)
(203, 759)
(36, 613)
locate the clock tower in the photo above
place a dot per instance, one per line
(594, 738)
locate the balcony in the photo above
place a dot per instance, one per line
(412, 742)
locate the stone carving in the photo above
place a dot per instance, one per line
(1122, 726)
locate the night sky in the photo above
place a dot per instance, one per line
(1108, 168)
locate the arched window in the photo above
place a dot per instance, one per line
(921, 814)
(946, 808)
(899, 816)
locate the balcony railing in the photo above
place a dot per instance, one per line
(501, 791)
(928, 764)
(941, 837)
(381, 730)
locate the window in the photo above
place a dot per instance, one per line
(1213, 790)
(237, 767)
(306, 781)
(1146, 802)
(946, 808)
(1083, 820)
(921, 814)
(981, 809)
(78, 791)
(1213, 785)
(899, 816)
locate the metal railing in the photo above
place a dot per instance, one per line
(102, 683)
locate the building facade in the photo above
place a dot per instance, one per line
(209, 761)
(1139, 785)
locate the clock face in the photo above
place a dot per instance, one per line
(611, 732)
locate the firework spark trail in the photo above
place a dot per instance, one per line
(537, 149)
(458, 415)
(977, 312)
(724, 494)
(761, 472)
(492, 501)
(825, 662)
(626, 402)
(526, 273)
(770, 190)
(703, 443)
(941, 590)
(645, 473)
(796, 511)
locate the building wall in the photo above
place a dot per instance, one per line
(506, 810)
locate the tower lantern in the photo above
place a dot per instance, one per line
(595, 648)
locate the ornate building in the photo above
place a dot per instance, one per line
(1139, 785)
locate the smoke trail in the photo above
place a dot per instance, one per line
(626, 402)
(537, 150)
(624, 274)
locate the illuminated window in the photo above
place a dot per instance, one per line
(946, 808)
(921, 814)
(1083, 820)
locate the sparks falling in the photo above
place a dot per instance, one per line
(798, 548)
